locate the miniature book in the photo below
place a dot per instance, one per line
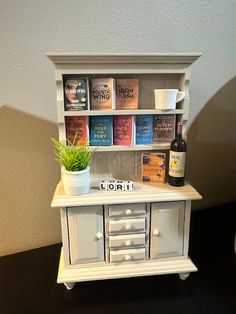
(153, 167)
(100, 130)
(103, 94)
(76, 93)
(123, 130)
(144, 127)
(127, 94)
(163, 128)
(77, 124)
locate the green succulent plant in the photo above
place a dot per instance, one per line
(74, 157)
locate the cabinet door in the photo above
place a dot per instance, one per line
(85, 227)
(167, 224)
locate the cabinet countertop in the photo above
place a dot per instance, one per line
(142, 192)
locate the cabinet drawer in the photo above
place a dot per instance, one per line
(127, 240)
(127, 255)
(126, 210)
(127, 225)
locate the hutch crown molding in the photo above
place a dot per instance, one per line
(112, 234)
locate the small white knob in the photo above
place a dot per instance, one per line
(127, 243)
(128, 227)
(156, 232)
(99, 235)
(128, 212)
(127, 257)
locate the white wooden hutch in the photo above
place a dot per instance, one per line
(109, 234)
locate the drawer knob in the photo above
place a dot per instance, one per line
(127, 243)
(128, 227)
(128, 212)
(156, 232)
(99, 235)
(127, 257)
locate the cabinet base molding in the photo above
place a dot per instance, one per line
(123, 270)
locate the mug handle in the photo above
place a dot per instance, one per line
(180, 96)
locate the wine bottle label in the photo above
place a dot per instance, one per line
(177, 164)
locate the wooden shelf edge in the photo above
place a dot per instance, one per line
(121, 58)
(124, 270)
(121, 112)
(143, 193)
(117, 148)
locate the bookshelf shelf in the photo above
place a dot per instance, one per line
(121, 112)
(118, 234)
(117, 148)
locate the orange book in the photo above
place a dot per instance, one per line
(127, 94)
(153, 167)
(77, 124)
(103, 94)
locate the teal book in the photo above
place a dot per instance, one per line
(144, 127)
(100, 131)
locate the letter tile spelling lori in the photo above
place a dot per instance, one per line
(118, 185)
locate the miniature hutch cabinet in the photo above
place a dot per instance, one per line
(111, 234)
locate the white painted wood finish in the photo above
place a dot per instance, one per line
(143, 192)
(124, 270)
(126, 240)
(167, 229)
(127, 210)
(127, 255)
(109, 234)
(127, 225)
(85, 228)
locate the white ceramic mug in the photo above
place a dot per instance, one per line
(167, 98)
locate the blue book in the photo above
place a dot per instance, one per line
(100, 131)
(144, 126)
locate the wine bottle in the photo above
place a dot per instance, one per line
(177, 159)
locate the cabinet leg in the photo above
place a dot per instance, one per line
(69, 285)
(183, 276)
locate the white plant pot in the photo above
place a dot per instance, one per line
(76, 182)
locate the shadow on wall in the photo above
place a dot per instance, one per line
(28, 176)
(212, 149)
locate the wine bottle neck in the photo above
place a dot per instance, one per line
(179, 131)
(179, 136)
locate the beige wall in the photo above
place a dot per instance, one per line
(30, 28)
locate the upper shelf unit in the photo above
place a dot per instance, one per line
(153, 71)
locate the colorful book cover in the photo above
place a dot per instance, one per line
(127, 94)
(163, 128)
(76, 93)
(153, 167)
(144, 126)
(100, 130)
(123, 130)
(77, 124)
(103, 94)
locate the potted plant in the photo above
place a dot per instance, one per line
(74, 160)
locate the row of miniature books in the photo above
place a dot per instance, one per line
(82, 93)
(123, 130)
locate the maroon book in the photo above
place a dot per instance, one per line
(123, 130)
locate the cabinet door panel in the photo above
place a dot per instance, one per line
(167, 229)
(85, 226)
